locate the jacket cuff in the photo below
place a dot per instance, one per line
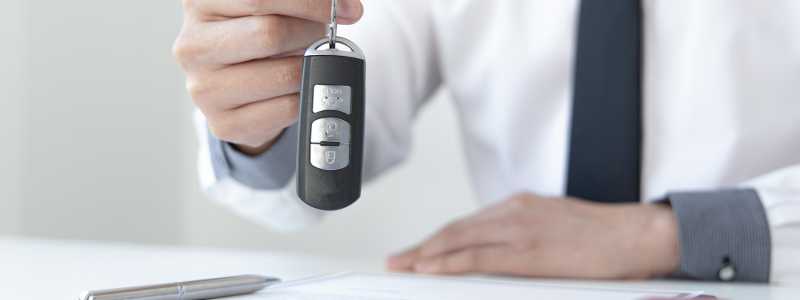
(267, 171)
(722, 235)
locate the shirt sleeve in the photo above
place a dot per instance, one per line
(746, 234)
(401, 74)
(278, 209)
(267, 171)
(779, 192)
(722, 235)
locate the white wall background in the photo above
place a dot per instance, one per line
(96, 142)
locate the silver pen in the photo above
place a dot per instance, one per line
(190, 290)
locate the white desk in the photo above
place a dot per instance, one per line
(36, 268)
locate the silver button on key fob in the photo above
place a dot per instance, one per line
(331, 135)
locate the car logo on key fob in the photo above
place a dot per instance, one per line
(331, 135)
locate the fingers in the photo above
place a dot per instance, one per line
(349, 11)
(404, 260)
(239, 85)
(216, 44)
(503, 259)
(236, 54)
(516, 203)
(507, 222)
(497, 259)
(489, 232)
(255, 123)
(251, 36)
(697, 298)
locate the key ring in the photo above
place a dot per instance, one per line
(334, 7)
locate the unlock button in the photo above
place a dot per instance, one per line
(330, 130)
(330, 143)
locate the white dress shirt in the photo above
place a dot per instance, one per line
(721, 102)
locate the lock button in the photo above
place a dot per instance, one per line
(330, 143)
(330, 130)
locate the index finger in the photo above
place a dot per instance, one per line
(404, 260)
(478, 234)
(348, 12)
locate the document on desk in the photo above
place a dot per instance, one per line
(387, 286)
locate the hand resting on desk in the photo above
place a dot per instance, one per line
(529, 235)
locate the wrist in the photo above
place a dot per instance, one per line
(257, 149)
(660, 240)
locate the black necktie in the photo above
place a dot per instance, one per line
(605, 142)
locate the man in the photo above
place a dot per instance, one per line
(691, 107)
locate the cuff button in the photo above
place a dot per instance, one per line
(726, 272)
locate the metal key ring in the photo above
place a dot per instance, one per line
(334, 7)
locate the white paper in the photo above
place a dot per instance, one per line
(384, 286)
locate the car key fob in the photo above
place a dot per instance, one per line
(331, 122)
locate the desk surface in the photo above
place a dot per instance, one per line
(37, 268)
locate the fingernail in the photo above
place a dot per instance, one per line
(424, 266)
(396, 260)
(349, 9)
(398, 257)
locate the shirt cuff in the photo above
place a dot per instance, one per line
(722, 235)
(267, 171)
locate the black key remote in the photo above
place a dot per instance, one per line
(331, 135)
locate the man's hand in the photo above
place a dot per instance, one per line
(239, 63)
(528, 235)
